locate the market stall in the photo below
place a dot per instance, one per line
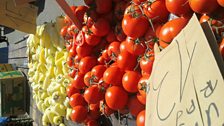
(112, 62)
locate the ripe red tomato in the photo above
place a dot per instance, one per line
(72, 30)
(205, 18)
(114, 49)
(221, 48)
(80, 11)
(78, 81)
(72, 51)
(105, 54)
(103, 6)
(105, 109)
(70, 61)
(92, 123)
(92, 39)
(86, 64)
(69, 44)
(152, 35)
(113, 75)
(77, 99)
(140, 121)
(129, 23)
(88, 79)
(63, 31)
(142, 85)
(70, 90)
(73, 8)
(141, 99)
(116, 98)
(79, 114)
(221, 2)
(179, 7)
(126, 61)
(135, 46)
(146, 63)
(202, 6)
(95, 107)
(67, 20)
(101, 27)
(84, 50)
(156, 11)
(90, 17)
(123, 47)
(170, 30)
(138, 2)
(97, 72)
(79, 39)
(130, 81)
(72, 72)
(135, 106)
(93, 94)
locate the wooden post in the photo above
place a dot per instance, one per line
(63, 4)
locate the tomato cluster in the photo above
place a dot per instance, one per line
(111, 57)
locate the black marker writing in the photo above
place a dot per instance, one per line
(209, 111)
(209, 89)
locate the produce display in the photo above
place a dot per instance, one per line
(48, 72)
(89, 74)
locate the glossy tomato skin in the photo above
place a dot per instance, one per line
(86, 64)
(88, 79)
(135, 106)
(135, 46)
(130, 81)
(146, 63)
(221, 2)
(79, 114)
(80, 11)
(114, 49)
(130, 22)
(170, 30)
(83, 51)
(138, 2)
(179, 7)
(97, 72)
(103, 6)
(156, 11)
(93, 94)
(78, 81)
(92, 40)
(142, 85)
(140, 121)
(113, 75)
(141, 99)
(202, 6)
(77, 99)
(101, 27)
(71, 90)
(126, 61)
(116, 98)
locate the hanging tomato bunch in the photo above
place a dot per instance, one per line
(111, 57)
